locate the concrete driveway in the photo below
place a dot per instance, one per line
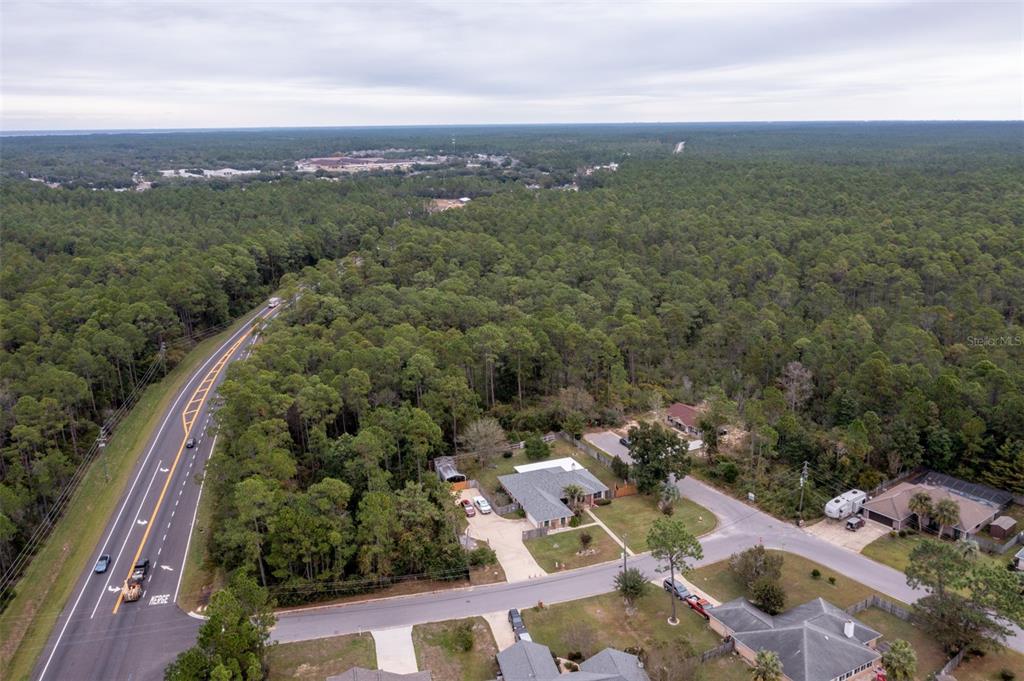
(506, 538)
(609, 442)
(835, 532)
(395, 651)
(500, 628)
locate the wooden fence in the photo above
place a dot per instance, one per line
(876, 601)
(992, 546)
(718, 651)
(590, 450)
(952, 664)
(535, 533)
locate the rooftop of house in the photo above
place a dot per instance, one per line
(540, 492)
(895, 503)
(809, 639)
(686, 413)
(528, 661)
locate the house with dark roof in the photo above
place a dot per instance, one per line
(815, 641)
(529, 661)
(539, 489)
(684, 417)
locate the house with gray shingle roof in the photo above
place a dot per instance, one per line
(529, 661)
(540, 491)
(363, 674)
(815, 641)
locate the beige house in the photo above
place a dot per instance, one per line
(815, 641)
(892, 508)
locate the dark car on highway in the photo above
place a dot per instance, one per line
(190, 443)
(102, 564)
(676, 588)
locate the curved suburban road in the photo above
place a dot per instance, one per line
(739, 526)
(98, 636)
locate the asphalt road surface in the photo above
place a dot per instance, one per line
(100, 637)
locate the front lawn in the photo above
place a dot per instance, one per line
(322, 657)
(988, 668)
(562, 548)
(439, 649)
(631, 517)
(591, 624)
(895, 551)
(719, 581)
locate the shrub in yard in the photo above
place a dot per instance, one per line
(620, 468)
(832, 581)
(816, 573)
(575, 521)
(1007, 675)
(768, 594)
(727, 471)
(892, 534)
(462, 637)
(482, 555)
(571, 667)
(585, 540)
(507, 455)
(605, 502)
(902, 533)
(575, 656)
(536, 448)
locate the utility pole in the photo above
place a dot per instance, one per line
(624, 554)
(803, 479)
(163, 356)
(101, 442)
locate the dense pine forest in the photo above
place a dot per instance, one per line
(847, 295)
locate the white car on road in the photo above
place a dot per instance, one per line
(482, 504)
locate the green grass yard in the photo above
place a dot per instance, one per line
(317, 659)
(631, 517)
(719, 581)
(592, 624)
(562, 548)
(895, 551)
(437, 650)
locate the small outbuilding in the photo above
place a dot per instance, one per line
(445, 468)
(1002, 527)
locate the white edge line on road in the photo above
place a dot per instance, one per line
(181, 394)
(191, 527)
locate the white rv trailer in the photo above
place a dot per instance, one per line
(846, 504)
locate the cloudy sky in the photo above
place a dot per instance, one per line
(225, 63)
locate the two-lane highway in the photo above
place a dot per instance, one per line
(99, 636)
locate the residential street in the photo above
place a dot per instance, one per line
(739, 526)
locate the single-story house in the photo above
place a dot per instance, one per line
(684, 417)
(816, 641)
(1003, 527)
(363, 674)
(892, 508)
(529, 661)
(540, 490)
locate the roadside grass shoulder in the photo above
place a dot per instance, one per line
(438, 650)
(51, 577)
(201, 577)
(319, 658)
(563, 548)
(631, 517)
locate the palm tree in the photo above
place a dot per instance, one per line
(968, 548)
(946, 513)
(920, 504)
(573, 495)
(900, 661)
(767, 666)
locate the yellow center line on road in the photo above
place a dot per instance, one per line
(188, 419)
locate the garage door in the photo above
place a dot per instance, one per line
(878, 517)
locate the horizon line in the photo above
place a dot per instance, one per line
(29, 132)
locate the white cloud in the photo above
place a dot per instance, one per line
(178, 64)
